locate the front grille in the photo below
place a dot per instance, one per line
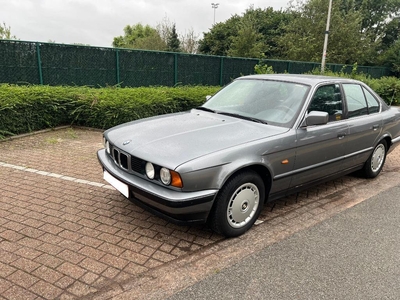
(128, 162)
(137, 164)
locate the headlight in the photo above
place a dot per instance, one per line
(165, 176)
(150, 172)
(106, 145)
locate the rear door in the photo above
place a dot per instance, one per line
(365, 124)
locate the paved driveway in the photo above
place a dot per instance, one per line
(65, 233)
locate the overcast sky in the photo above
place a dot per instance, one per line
(97, 22)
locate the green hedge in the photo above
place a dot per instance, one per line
(29, 108)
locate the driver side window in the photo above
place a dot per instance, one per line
(328, 98)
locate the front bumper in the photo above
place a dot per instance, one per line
(176, 206)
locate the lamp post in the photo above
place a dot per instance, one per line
(326, 37)
(214, 6)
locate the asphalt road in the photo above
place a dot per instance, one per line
(353, 255)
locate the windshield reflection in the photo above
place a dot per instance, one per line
(272, 102)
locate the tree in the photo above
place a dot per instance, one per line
(304, 35)
(5, 32)
(264, 25)
(376, 14)
(173, 43)
(189, 42)
(218, 40)
(140, 37)
(248, 41)
(391, 34)
(164, 28)
(271, 24)
(391, 58)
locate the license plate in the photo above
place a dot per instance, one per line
(119, 186)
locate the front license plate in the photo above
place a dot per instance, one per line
(119, 186)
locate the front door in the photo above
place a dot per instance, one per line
(320, 148)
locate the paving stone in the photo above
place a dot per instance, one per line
(69, 236)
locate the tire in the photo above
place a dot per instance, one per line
(373, 166)
(238, 204)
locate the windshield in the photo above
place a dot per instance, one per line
(272, 102)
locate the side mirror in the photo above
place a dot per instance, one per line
(316, 118)
(208, 97)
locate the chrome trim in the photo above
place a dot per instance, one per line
(116, 155)
(396, 140)
(358, 152)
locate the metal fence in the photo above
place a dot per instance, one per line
(60, 64)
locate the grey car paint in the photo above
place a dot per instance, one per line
(207, 149)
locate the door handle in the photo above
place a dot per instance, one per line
(375, 127)
(341, 135)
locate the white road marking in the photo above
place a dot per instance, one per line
(54, 175)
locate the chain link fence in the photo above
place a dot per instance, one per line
(60, 64)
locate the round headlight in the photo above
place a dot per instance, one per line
(165, 176)
(150, 172)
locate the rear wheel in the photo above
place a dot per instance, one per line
(373, 166)
(238, 204)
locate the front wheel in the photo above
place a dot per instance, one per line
(238, 204)
(373, 166)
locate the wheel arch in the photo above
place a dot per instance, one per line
(388, 140)
(219, 217)
(261, 170)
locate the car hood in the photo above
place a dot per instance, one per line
(171, 140)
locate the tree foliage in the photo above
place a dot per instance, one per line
(5, 32)
(140, 37)
(376, 14)
(304, 35)
(189, 42)
(218, 40)
(259, 26)
(173, 42)
(362, 31)
(164, 37)
(248, 41)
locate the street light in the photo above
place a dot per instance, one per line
(214, 6)
(326, 37)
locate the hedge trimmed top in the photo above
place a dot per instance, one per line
(30, 108)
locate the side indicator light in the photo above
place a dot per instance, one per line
(176, 179)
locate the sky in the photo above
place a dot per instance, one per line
(97, 22)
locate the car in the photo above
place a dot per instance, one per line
(258, 139)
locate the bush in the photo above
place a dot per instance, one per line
(386, 87)
(29, 108)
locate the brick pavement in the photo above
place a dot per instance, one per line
(65, 234)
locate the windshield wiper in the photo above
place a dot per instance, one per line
(205, 109)
(243, 117)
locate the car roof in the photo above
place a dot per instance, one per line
(300, 78)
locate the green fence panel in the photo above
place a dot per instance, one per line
(78, 65)
(235, 67)
(60, 64)
(279, 66)
(146, 68)
(18, 62)
(198, 70)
